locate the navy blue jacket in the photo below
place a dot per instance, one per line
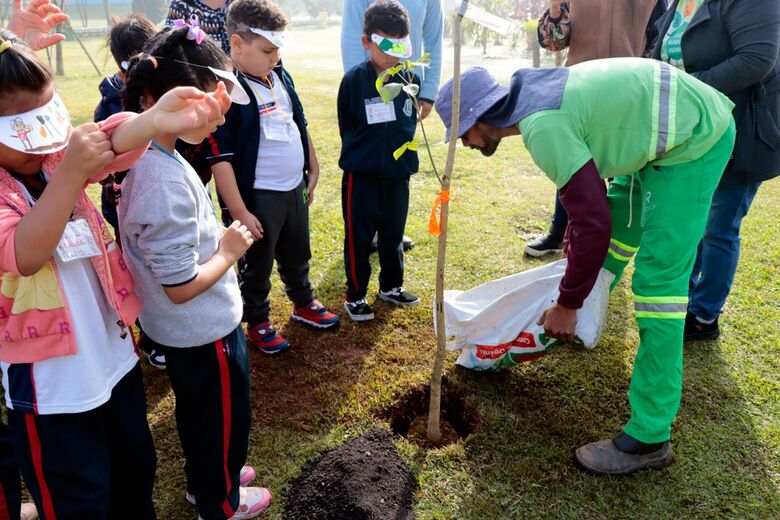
(110, 102)
(238, 140)
(368, 149)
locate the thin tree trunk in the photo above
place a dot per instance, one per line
(60, 66)
(108, 13)
(434, 408)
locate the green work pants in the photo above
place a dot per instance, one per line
(670, 205)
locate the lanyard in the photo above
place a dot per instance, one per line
(262, 100)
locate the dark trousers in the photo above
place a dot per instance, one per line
(10, 483)
(372, 205)
(213, 417)
(98, 464)
(560, 219)
(284, 216)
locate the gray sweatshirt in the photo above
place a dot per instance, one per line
(168, 228)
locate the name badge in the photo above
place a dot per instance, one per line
(378, 111)
(77, 242)
(275, 129)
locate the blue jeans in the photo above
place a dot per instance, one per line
(718, 254)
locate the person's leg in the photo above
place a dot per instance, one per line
(133, 459)
(394, 203)
(719, 250)
(625, 207)
(210, 383)
(360, 209)
(257, 264)
(676, 205)
(10, 482)
(293, 248)
(552, 241)
(66, 463)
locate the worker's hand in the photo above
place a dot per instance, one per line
(559, 322)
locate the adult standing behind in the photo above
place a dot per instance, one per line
(426, 25)
(211, 17)
(593, 29)
(733, 46)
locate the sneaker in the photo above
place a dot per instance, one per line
(359, 310)
(246, 476)
(544, 245)
(156, 359)
(265, 337)
(696, 330)
(623, 455)
(252, 502)
(397, 296)
(314, 314)
(407, 243)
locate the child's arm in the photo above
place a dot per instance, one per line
(232, 246)
(183, 108)
(314, 169)
(225, 179)
(40, 230)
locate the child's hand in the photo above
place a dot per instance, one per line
(250, 221)
(89, 152)
(187, 108)
(235, 241)
(314, 177)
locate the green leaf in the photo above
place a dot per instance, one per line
(389, 91)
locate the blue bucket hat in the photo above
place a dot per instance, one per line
(478, 92)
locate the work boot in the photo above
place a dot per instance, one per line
(623, 455)
(545, 244)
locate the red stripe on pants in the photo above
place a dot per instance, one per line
(224, 379)
(351, 235)
(35, 450)
(4, 514)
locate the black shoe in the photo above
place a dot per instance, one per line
(623, 455)
(544, 245)
(696, 330)
(359, 310)
(408, 244)
(398, 296)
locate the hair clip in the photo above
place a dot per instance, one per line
(5, 45)
(194, 33)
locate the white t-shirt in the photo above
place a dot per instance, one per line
(82, 381)
(280, 154)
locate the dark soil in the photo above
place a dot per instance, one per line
(364, 479)
(408, 416)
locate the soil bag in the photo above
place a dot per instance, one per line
(494, 324)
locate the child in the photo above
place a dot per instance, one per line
(262, 155)
(126, 39)
(375, 186)
(183, 260)
(76, 406)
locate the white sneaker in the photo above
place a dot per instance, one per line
(246, 476)
(252, 501)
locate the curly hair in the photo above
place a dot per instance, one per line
(171, 60)
(262, 14)
(387, 16)
(21, 70)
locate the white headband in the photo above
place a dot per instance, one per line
(42, 130)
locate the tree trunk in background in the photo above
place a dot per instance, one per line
(108, 13)
(59, 69)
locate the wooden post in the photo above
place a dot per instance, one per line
(434, 407)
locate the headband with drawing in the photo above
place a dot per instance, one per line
(279, 38)
(398, 47)
(42, 130)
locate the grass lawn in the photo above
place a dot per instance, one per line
(330, 386)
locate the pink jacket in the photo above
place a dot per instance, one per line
(35, 321)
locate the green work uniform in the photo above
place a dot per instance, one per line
(666, 138)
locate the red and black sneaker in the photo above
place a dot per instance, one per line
(314, 314)
(266, 338)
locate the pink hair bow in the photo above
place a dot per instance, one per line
(195, 32)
